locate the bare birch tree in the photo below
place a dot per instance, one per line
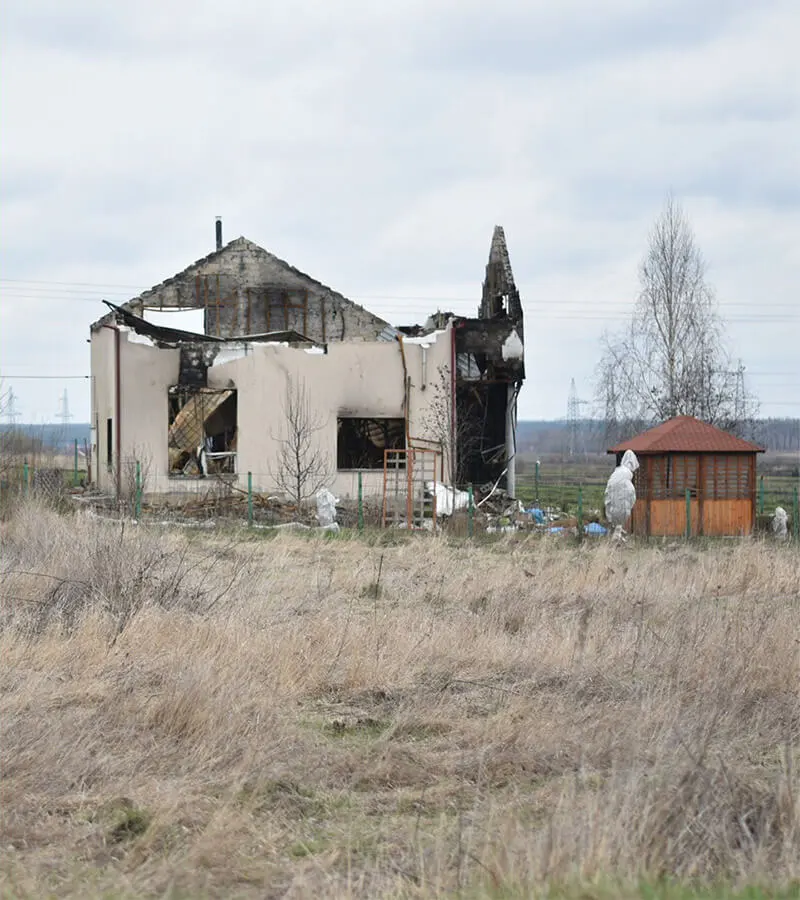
(671, 359)
(302, 465)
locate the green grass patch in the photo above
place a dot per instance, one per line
(611, 890)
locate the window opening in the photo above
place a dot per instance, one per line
(202, 431)
(361, 442)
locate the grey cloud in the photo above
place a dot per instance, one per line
(516, 39)
(747, 106)
(376, 145)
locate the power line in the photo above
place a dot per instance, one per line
(67, 287)
(70, 283)
(417, 303)
(576, 314)
(43, 377)
(30, 293)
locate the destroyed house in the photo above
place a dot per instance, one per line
(277, 345)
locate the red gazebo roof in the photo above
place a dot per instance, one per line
(685, 434)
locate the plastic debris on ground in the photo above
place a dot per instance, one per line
(501, 529)
(497, 512)
(595, 528)
(448, 499)
(326, 507)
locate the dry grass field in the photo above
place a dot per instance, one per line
(197, 714)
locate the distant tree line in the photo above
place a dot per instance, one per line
(777, 435)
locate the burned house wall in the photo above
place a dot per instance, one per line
(500, 298)
(141, 418)
(246, 290)
(364, 379)
(489, 368)
(103, 407)
(146, 374)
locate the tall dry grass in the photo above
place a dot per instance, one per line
(224, 715)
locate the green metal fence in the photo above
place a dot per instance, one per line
(581, 500)
(584, 498)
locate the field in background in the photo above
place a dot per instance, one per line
(226, 714)
(562, 476)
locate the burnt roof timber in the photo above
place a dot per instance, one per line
(178, 336)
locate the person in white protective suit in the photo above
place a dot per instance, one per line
(779, 524)
(621, 494)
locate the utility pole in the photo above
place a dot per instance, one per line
(63, 414)
(574, 419)
(739, 402)
(11, 413)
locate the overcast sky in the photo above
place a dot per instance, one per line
(374, 145)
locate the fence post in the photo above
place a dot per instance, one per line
(580, 512)
(249, 499)
(138, 508)
(688, 513)
(796, 514)
(471, 512)
(360, 502)
(26, 477)
(761, 495)
(536, 482)
(75, 466)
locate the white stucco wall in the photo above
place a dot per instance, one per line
(356, 379)
(103, 406)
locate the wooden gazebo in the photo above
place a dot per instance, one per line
(716, 468)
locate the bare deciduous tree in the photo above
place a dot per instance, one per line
(451, 428)
(303, 466)
(438, 423)
(671, 359)
(139, 461)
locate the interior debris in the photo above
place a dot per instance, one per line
(360, 442)
(202, 431)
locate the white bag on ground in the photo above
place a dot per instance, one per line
(779, 523)
(620, 494)
(448, 499)
(326, 507)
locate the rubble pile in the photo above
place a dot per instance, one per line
(494, 512)
(497, 512)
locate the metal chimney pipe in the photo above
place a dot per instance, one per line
(219, 232)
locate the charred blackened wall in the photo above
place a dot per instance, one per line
(194, 362)
(489, 359)
(490, 369)
(481, 410)
(500, 299)
(490, 350)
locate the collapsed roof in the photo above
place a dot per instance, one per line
(162, 334)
